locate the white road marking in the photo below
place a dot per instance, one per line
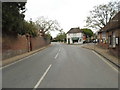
(105, 61)
(59, 50)
(18, 61)
(57, 54)
(39, 82)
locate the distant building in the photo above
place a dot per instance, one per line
(109, 36)
(75, 36)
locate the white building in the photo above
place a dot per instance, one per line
(75, 36)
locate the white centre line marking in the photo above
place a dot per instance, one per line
(105, 61)
(56, 55)
(38, 83)
(59, 50)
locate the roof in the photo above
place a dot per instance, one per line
(113, 24)
(74, 30)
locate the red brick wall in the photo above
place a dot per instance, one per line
(14, 46)
(115, 51)
(9, 43)
(101, 44)
(37, 42)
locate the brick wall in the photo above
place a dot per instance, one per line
(113, 50)
(38, 42)
(15, 46)
(116, 50)
(101, 43)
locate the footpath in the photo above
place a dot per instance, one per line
(18, 57)
(103, 52)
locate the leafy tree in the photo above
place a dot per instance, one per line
(102, 14)
(12, 17)
(61, 37)
(88, 32)
(48, 36)
(29, 28)
(46, 25)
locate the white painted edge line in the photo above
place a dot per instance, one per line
(18, 61)
(105, 61)
(40, 80)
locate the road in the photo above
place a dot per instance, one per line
(61, 66)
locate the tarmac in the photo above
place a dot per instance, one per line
(61, 66)
(103, 52)
(18, 57)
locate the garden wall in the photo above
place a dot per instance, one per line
(12, 46)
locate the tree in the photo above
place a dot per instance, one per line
(102, 14)
(45, 25)
(29, 28)
(88, 32)
(61, 37)
(12, 17)
(48, 36)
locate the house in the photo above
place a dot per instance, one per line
(109, 36)
(75, 36)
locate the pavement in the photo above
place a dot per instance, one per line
(61, 66)
(103, 52)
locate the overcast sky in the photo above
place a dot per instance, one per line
(69, 13)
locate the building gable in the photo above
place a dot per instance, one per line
(74, 30)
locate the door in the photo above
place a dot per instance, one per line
(68, 40)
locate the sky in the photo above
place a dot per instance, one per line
(69, 13)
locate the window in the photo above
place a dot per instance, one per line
(113, 41)
(117, 40)
(103, 34)
(103, 37)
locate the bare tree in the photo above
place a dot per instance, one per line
(102, 14)
(46, 25)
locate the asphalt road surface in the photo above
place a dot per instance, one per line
(61, 66)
